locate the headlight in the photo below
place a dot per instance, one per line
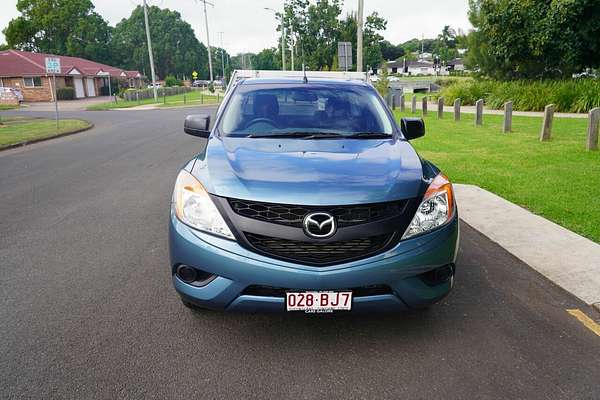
(194, 207)
(435, 210)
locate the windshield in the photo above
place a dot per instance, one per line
(294, 110)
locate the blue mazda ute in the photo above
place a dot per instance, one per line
(307, 196)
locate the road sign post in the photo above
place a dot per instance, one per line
(53, 67)
(345, 56)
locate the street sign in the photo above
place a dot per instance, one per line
(195, 75)
(345, 56)
(52, 65)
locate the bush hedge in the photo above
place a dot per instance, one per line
(576, 95)
(65, 93)
(170, 81)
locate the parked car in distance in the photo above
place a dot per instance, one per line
(306, 195)
(150, 85)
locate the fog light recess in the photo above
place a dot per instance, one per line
(438, 276)
(187, 273)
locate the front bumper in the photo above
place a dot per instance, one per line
(401, 269)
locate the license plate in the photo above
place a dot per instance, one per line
(318, 301)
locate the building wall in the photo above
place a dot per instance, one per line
(41, 93)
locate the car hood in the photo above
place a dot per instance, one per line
(310, 172)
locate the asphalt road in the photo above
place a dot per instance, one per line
(88, 310)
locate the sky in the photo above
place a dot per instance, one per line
(248, 27)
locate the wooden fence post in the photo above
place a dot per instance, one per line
(507, 123)
(546, 133)
(414, 103)
(457, 109)
(479, 112)
(402, 103)
(424, 105)
(593, 127)
(440, 108)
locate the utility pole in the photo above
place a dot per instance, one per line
(283, 46)
(280, 18)
(150, 52)
(292, 37)
(208, 38)
(222, 57)
(359, 37)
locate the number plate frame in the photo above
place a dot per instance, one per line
(316, 301)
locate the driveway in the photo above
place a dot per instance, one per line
(88, 310)
(65, 105)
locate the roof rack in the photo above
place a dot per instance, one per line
(239, 74)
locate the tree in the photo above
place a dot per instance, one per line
(391, 52)
(373, 25)
(64, 27)
(176, 49)
(267, 59)
(318, 28)
(534, 38)
(445, 47)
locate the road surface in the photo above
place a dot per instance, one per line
(88, 310)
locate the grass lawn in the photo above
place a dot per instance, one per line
(7, 107)
(558, 180)
(193, 97)
(20, 129)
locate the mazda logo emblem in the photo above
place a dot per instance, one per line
(319, 225)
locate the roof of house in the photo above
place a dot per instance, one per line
(23, 63)
(456, 61)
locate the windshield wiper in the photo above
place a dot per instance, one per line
(369, 135)
(295, 135)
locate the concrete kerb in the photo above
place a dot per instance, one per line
(566, 258)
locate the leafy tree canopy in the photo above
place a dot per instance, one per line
(64, 27)
(317, 28)
(175, 47)
(534, 38)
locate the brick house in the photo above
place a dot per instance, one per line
(26, 71)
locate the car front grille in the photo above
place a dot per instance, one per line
(292, 215)
(319, 253)
(268, 291)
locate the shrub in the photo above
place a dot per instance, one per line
(170, 80)
(211, 87)
(65, 93)
(579, 95)
(382, 85)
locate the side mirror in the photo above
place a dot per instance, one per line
(197, 125)
(412, 128)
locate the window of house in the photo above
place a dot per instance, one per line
(34, 81)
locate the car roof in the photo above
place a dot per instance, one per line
(319, 81)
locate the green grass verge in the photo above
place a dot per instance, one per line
(7, 107)
(22, 129)
(191, 98)
(558, 180)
